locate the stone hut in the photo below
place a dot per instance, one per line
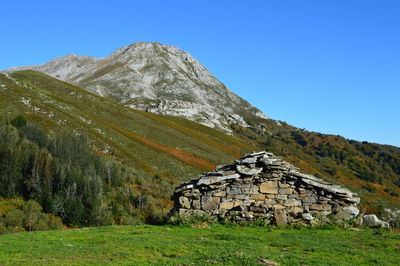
(260, 185)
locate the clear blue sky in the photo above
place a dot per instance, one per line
(331, 66)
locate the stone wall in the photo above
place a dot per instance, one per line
(260, 185)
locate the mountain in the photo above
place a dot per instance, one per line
(155, 78)
(171, 147)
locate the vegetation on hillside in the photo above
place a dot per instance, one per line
(64, 177)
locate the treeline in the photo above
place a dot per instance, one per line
(69, 180)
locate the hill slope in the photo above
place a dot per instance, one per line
(155, 145)
(156, 78)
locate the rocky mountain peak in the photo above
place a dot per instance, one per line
(156, 78)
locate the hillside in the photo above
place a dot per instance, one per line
(155, 78)
(155, 145)
(217, 245)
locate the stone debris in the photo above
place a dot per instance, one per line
(261, 185)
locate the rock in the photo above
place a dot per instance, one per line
(234, 191)
(210, 203)
(281, 197)
(295, 210)
(208, 180)
(185, 202)
(283, 185)
(371, 220)
(309, 200)
(280, 217)
(219, 194)
(258, 197)
(249, 160)
(347, 213)
(292, 203)
(196, 204)
(257, 209)
(226, 205)
(271, 161)
(242, 169)
(306, 216)
(254, 189)
(285, 191)
(320, 207)
(257, 154)
(353, 200)
(270, 187)
(237, 203)
(183, 187)
(279, 207)
(241, 197)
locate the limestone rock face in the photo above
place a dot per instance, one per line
(155, 78)
(260, 185)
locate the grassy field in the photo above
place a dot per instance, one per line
(169, 245)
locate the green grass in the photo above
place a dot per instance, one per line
(169, 245)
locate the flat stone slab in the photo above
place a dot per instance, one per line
(208, 180)
(242, 169)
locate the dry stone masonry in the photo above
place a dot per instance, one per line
(260, 185)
